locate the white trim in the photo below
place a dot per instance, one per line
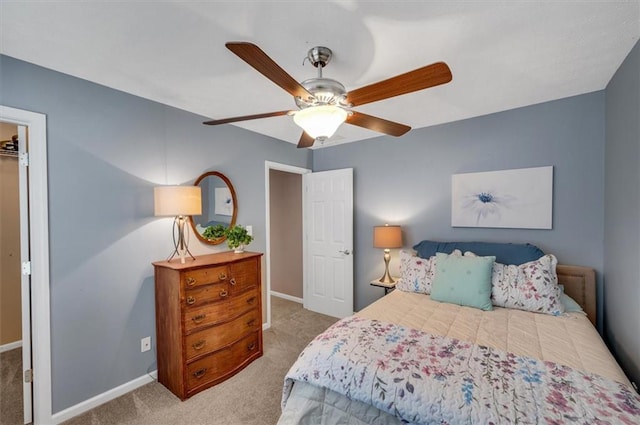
(287, 297)
(269, 165)
(305, 239)
(103, 398)
(25, 279)
(10, 346)
(39, 245)
(265, 326)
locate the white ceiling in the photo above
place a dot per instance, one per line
(503, 54)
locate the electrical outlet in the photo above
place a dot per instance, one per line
(145, 344)
(249, 230)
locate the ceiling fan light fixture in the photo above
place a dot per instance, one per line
(324, 104)
(320, 122)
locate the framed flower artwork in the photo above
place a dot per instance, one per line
(520, 199)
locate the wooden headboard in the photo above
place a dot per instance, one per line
(580, 284)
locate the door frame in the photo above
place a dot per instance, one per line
(25, 279)
(269, 165)
(39, 246)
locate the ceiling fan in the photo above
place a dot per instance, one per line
(324, 104)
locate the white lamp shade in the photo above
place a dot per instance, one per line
(177, 200)
(320, 122)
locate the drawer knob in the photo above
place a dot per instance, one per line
(191, 300)
(251, 346)
(232, 281)
(251, 322)
(199, 318)
(199, 345)
(223, 293)
(222, 276)
(191, 281)
(199, 373)
(251, 300)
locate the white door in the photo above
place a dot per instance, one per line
(328, 229)
(26, 278)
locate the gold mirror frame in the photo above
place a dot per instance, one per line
(235, 207)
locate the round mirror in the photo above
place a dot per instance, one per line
(219, 208)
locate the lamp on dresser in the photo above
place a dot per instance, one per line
(387, 237)
(179, 202)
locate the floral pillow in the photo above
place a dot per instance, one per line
(416, 273)
(531, 286)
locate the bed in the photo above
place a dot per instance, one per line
(407, 358)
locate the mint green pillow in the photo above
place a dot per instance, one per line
(463, 280)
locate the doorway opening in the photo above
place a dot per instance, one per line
(11, 335)
(284, 233)
(34, 267)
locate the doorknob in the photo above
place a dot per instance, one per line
(345, 252)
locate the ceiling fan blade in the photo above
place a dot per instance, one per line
(306, 141)
(418, 79)
(377, 124)
(246, 118)
(254, 56)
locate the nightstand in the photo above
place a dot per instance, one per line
(388, 287)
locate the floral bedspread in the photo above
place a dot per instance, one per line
(427, 379)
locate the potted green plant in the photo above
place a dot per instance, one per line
(214, 232)
(237, 238)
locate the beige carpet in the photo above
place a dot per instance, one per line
(11, 387)
(252, 397)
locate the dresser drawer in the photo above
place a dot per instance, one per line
(222, 362)
(244, 275)
(205, 276)
(221, 311)
(216, 337)
(202, 295)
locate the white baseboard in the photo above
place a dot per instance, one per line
(10, 346)
(287, 297)
(96, 401)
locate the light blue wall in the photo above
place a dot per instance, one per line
(107, 150)
(622, 214)
(407, 181)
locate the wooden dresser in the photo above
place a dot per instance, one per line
(208, 319)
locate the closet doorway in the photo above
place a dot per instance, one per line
(12, 403)
(33, 259)
(284, 238)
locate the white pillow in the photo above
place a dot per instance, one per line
(570, 305)
(531, 286)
